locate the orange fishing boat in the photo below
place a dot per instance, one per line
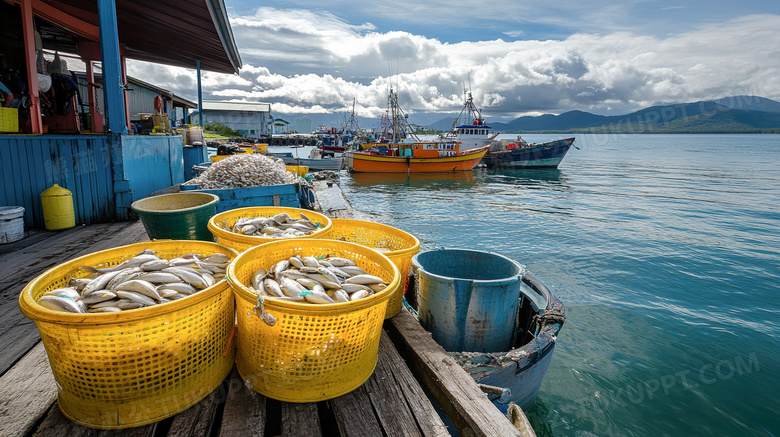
(404, 152)
(417, 157)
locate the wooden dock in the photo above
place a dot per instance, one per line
(413, 381)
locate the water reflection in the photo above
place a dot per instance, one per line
(422, 181)
(530, 177)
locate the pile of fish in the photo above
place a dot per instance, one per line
(141, 281)
(249, 170)
(317, 281)
(281, 225)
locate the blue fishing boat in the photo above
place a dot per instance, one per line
(476, 133)
(520, 154)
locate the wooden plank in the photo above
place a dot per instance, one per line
(26, 393)
(354, 414)
(57, 425)
(457, 393)
(18, 333)
(388, 399)
(244, 413)
(301, 420)
(196, 420)
(332, 202)
(391, 365)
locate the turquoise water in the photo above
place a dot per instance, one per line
(665, 251)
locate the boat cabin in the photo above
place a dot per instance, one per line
(417, 149)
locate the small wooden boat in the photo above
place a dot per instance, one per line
(418, 157)
(516, 375)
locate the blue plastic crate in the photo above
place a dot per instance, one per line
(270, 195)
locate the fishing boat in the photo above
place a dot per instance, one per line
(515, 375)
(476, 133)
(420, 157)
(401, 151)
(338, 140)
(316, 161)
(520, 154)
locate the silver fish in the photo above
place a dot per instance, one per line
(139, 286)
(122, 276)
(359, 295)
(154, 265)
(135, 297)
(364, 279)
(280, 267)
(105, 310)
(57, 303)
(68, 293)
(273, 287)
(340, 262)
(353, 270)
(352, 288)
(291, 288)
(340, 295)
(78, 283)
(310, 261)
(216, 258)
(296, 261)
(107, 303)
(132, 262)
(158, 277)
(100, 282)
(97, 297)
(181, 287)
(316, 296)
(257, 278)
(126, 304)
(188, 275)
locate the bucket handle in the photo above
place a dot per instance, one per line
(267, 317)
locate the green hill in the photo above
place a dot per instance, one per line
(742, 114)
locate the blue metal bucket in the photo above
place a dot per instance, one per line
(468, 299)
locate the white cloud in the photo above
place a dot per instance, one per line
(307, 62)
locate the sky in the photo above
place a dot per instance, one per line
(515, 57)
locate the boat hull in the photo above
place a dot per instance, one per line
(545, 155)
(331, 164)
(362, 162)
(519, 372)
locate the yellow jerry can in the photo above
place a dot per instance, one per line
(57, 205)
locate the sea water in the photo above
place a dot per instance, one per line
(665, 250)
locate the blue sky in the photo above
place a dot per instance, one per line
(517, 58)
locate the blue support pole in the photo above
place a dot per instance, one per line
(112, 67)
(200, 98)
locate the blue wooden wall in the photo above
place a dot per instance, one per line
(146, 163)
(81, 163)
(105, 173)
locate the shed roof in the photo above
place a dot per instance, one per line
(212, 105)
(148, 29)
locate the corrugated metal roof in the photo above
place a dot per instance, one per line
(235, 106)
(171, 32)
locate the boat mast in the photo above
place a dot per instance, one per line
(400, 125)
(474, 114)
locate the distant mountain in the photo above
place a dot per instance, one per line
(738, 114)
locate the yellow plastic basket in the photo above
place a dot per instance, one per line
(241, 242)
(402, 247)
(312, 352)
(126, 369)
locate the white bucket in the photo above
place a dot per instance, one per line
(11, 224)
